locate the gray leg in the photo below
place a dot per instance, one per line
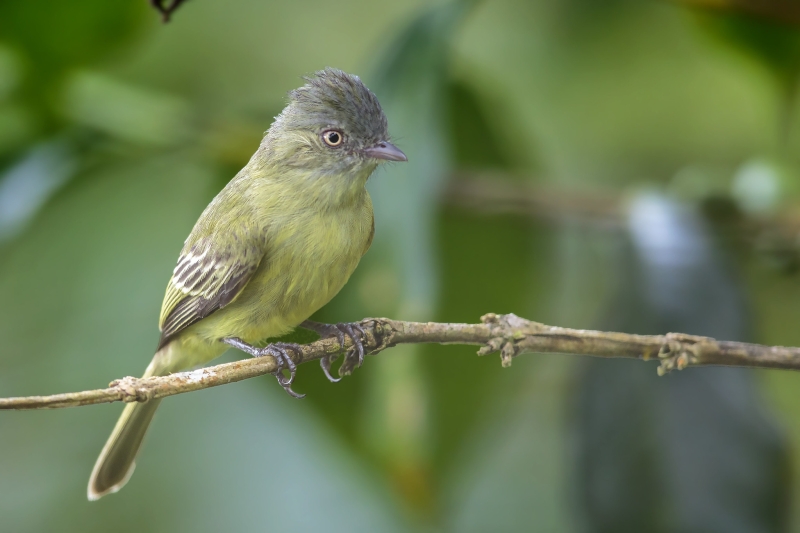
(279, 351)
(353, 358)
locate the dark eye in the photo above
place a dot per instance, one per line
(332, 137)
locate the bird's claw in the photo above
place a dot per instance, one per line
(325, 363)
(351, 329)
(353, 358)
(279, 351)
(282, 358)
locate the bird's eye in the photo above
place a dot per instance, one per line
(332, 137)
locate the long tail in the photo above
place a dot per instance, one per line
(116, 462)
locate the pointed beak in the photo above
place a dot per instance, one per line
(386, 151)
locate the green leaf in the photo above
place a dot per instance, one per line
(772, 43)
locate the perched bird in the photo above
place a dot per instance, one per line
(276, 244)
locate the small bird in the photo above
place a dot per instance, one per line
(274, 246)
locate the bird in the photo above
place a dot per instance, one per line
(276, 244)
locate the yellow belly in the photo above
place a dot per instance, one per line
(307, 264)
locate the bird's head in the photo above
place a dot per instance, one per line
(333, 125)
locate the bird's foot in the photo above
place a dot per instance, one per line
(280, 352)
(353, 358)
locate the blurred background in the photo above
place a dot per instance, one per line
(626, 165)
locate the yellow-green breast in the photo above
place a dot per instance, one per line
(310, 253)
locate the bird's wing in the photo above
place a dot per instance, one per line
(207, 278)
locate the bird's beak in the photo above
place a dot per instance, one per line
(387, 151)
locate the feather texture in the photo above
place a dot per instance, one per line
(208, 277)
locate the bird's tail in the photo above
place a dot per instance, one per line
(116, 462)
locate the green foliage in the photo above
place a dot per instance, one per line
(773, 44)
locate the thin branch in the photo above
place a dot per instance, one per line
(508, 334)
(166, 8)
(498, 193)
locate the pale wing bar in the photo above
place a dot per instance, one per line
(204, 281)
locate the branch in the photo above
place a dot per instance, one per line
(508, 334)
(166, 9)
(499, 193)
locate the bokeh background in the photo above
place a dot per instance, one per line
(627, 165)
